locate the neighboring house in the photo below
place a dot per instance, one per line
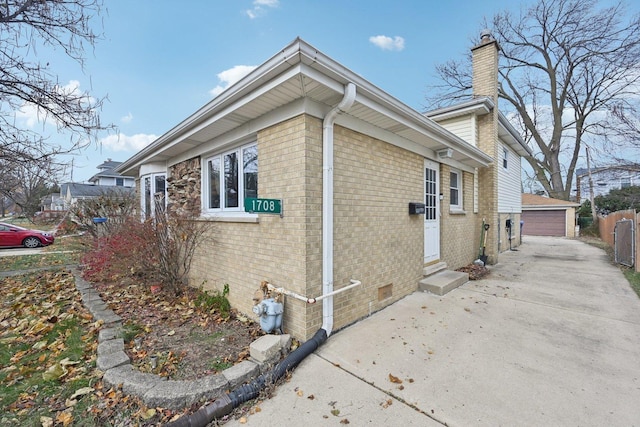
(544, 216)
(605, 179)
(108, 175)
(348, 162)
(52, 202)
(72, 193)
(105, 181)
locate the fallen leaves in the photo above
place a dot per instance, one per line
(395, 379)
(190, 340)
(476, 272)
(50, 341)
(65, 418)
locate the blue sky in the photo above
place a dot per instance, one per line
(161, 60)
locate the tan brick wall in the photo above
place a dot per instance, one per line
(485, 83)
(458, 240)
(376, 240)
(275, 249)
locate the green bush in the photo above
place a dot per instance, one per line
(619, 200)
(215, 301)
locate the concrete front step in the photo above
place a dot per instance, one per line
(443, 282)
(434, 268)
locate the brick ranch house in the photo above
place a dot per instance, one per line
(346, 160)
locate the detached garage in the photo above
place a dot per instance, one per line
(544, 216)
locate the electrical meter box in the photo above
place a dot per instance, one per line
(417, 208)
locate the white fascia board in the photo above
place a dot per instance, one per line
(426, 126)
(285, 58)
(518, 143)
(247, 132)
(548, 207)
(480, 107)
(250, 96)
(150, 168)
(368, 129)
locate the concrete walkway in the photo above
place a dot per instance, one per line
(552, 337)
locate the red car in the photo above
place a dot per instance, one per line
(14, 236)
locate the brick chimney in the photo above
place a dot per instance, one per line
(485, 84)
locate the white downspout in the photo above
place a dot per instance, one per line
(327, 203)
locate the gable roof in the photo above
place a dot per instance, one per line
(109, 164)
(107, 170)
(533, 201)
(480, 106)
(301, 79)
(632, 167)
(78, 190)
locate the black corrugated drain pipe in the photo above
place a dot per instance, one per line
(227, 403)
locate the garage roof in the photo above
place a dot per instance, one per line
(535, 202)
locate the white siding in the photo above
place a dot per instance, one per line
(463, 127)
(606, 180)
(106, 181)
(509, 185)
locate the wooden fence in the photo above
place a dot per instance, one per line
(607, 226)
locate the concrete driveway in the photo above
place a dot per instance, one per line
(552, 337)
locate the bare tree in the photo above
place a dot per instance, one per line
(26, 184)
(570, 72)
(29, 83)
(178, 233)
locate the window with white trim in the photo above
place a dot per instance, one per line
(153, 194)
(505, 157)
(455, 190)
(229, 178)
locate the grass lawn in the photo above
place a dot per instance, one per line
(634, 279)
(47, 352)
(65, 251)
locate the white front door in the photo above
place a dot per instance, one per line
(432, 212)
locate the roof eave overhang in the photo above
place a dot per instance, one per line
(512, 137)
(480, 106)
(300, 57)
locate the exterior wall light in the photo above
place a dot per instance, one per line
(446, 153)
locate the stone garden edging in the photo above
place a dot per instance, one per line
(155, 390)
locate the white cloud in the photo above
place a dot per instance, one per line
(388, 43)
(230, 76)
(127, 119)
(122, 142)
(28, 114)
(259, 7)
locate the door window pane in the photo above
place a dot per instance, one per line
(430, 194)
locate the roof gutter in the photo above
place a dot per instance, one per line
(328, 202)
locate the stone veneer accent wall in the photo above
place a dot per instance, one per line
(183, 186)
